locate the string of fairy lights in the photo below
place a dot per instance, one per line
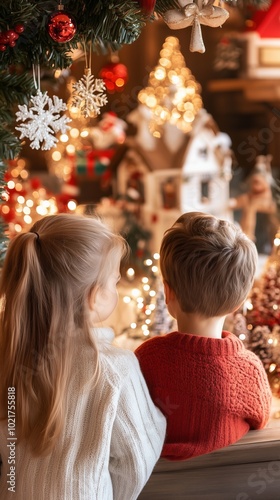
(143, 298)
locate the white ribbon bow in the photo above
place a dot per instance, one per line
(194, 13)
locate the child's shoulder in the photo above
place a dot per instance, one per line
(113, 358)
(156, 343)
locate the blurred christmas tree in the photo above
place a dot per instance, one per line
(261, 329)
(147, 299)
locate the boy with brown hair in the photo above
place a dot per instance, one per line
(210, 388)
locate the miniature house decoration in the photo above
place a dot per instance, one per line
(198, 180)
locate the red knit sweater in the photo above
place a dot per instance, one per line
(212, 391)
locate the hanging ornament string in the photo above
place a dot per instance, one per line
(194, 13)
(42, 117)
(88, 93)
(37, 79)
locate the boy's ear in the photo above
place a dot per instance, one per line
(168, 292)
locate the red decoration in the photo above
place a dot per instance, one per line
(9, 37)
(266, 22)
(115, 76)
(61, 26)
(147, 6)
(19, 28)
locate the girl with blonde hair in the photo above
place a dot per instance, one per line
(76, 418)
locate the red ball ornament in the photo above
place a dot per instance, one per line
(11, 35)
(115, 76)
(3, 38)
(2, 48)
(61, 26)
(19, 28)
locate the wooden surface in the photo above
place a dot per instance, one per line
(246, 470)
(253, 89)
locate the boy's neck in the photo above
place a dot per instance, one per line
(194, 324)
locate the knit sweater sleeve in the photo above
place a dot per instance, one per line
(256, 398)
(137, 436)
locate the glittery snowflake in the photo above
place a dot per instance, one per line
(44, 120)
(88, 95)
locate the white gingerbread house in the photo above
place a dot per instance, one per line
(206, 169)
(196, 180)
(201, 183)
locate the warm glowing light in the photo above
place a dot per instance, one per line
(242, 336)
(72, 205)
(172, 94)
(64, 138)
(5, 209)
(155, 269)
(119, 82)
(56, 156)
(135, 293)
(41, 210)
(270, 341)
(84, 133)
(10, 184)
(146, 288)
(145, 280)
(70, 148)
(133, 325)
(26, 210)
(130, 272)
(18, 186)
(272, 367)
(126, 299)
(20, 199)
(18, 228)
(148, 262)
(24, 174)
(248, 305)
(152, 293)
(27, 219)
(74, 132)
(277, 242)
(21, 163)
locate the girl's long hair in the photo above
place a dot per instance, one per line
(46, 281)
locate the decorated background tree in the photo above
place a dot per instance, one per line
(262, 313)
(43, 34)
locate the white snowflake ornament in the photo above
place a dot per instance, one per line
(44, 120)
(88, 95)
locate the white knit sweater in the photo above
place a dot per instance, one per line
(112, 438)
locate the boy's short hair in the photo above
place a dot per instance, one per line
(209, 263)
